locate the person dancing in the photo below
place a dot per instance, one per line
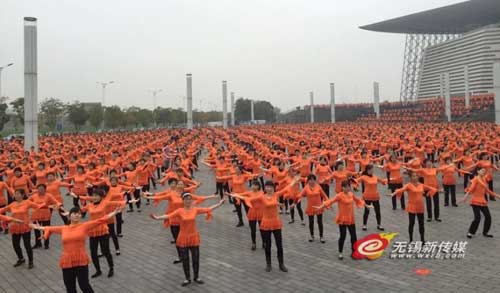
(189, 237)
(74, 260)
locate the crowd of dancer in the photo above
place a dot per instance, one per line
(264, 171)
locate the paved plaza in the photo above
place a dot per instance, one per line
(228, 264)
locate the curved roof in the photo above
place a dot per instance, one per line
(453, 19)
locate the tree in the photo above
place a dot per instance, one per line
(242, 110)
(145, 117)
(113, 117)
(4, 118)
(263, 110)
(18, 106)
(96, 115)
(77, 114)
(51, 109)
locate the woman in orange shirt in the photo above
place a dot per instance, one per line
(429, 178)
(74, 259)
(44, 214)
(345, 216)
(53, 187)
(293, 196)
(271, 222)
(479, 189)
(395, 179)
(238, 182)
(21, 181)
(20, 210)
(416, 192)
(189, 237)
(323, 172)
(466, 161)
(315, 196)
(99, 235)
(371, 195)
(449, 181)
(254, 213)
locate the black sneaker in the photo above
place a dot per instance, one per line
(291, 222)
(268, 268)
(185, 283)
(36, 246)
(130, 211)
(117, 252)
(177, 261)
(380, 228)
(97, 274)
(469, 235)
(199, 281)
(283, 268)
(119, 235)
(429, 219)
(254, 246)
(438, 219)
(30, 265)
(240, 225)
(488, 235)
(19, 262)
(111, 273)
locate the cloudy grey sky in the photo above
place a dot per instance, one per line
(277, 50)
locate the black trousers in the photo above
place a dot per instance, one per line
(266, 236)
(119, 222)
(392, 188)
(421, 229)
(195, 254)
(376, 206)
(16, 243)
(429, 201)
(477, 219)
(490, 186)
(320, 224)
(282, 200)
(38, 234)
(145, 188)
(221, 187)
(450, 189)
(253, 231)
(326, 188)
(343, 233)
(112, 233)
(137, 195)
(299, 210)
(81, 274)
(94, 243)
(467, 178)
(239, 211)
(175, 229)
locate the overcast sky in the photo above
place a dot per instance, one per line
(277, 50)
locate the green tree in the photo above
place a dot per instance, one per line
(77, 114)
(96, 115)
(145, 117)
(113, 117)
(51, 109)
(4, 118)
(18, 106)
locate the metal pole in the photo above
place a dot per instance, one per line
(252, 117)
(467, 91)
(30, 84)
(332, 102)
(189, 97)
(376, 99)
(496, 82)
(224, 104)
(447, 97)
(232, 109)
(311, 95)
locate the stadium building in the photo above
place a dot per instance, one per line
(457, 39)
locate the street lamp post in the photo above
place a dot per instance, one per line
(104, 85)
(1, 68)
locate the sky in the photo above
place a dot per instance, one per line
(274, 50)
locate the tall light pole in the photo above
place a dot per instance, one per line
(30, 84)
(104, 85)
(189, 100)
(1, 68)
(154, 92)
